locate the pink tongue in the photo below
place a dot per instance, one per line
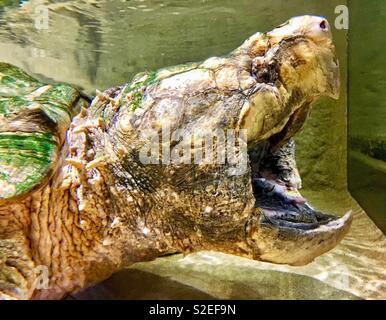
(299, 200)
(292, 196)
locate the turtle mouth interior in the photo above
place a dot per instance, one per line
(283, 208)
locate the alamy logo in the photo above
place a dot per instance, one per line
(42, 277)
(199, 147)
(41, 17)
(341, 21)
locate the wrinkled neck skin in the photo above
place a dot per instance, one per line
(82, 227)
(145, 210)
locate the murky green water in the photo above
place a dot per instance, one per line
(367, 108)
(98, 44)
(109, 41)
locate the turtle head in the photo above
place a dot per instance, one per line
(161, 130)
(292, 65)
(308, 61)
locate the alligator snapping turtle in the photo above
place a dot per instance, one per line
(78, 200)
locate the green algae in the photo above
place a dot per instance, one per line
(135, 101)
(29, 148)
(142, 79)
(137, 86)
(11, 76)
(27, 157)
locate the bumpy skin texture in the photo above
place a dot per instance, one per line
(104, 208)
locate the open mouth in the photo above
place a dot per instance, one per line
(275, 183)
(281, 205)
(285, 208)
(285, 228)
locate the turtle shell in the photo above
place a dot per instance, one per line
(34, 118)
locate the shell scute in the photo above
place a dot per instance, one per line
(34, 118)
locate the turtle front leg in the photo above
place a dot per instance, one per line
(16, 270)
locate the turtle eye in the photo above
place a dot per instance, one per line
(323, 25)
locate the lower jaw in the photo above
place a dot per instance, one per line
(288, 246)
(292, 232)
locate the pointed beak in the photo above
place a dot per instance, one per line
(298, 243)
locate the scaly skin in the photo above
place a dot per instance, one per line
(104, 208)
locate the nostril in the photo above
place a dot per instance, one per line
(266, 77)
(323, 25)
